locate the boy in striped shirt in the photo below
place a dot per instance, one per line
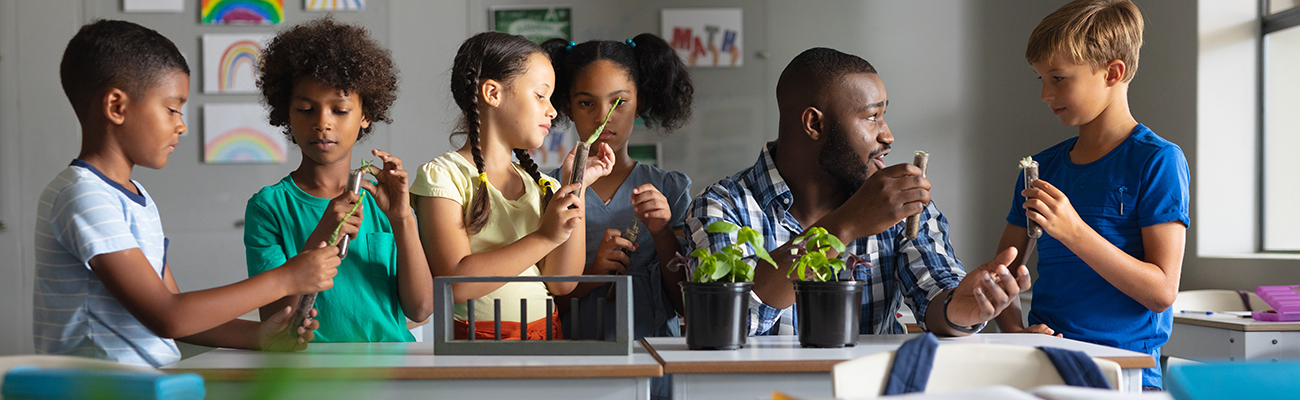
(103, 287)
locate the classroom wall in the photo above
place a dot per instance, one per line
(954, 69)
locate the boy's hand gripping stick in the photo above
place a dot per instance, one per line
(307, 301)
(914, 222)
(1030, 168)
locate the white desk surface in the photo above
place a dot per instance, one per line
(1235, 323)
(783, 353)
(406, 361)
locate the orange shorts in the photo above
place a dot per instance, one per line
(509, 329)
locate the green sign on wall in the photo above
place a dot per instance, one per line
(535, 23)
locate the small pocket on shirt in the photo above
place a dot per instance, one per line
(380, 259)
(1104, 199)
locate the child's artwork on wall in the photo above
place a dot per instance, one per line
(238, 133)
(538, 24)
(236, 12)
(554, 147)
(334, 5)
(153, 6)
(230, 62)
(705, 37)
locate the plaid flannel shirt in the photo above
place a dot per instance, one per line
(912, 271)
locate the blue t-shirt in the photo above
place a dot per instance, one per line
(1140, 183)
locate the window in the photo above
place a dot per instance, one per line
(1280, 124)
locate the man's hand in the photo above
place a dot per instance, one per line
(885, 199)
(987, 290)
(274, 333)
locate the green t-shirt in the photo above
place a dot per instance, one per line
(363, 305)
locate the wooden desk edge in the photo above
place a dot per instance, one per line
(1127, 362)
(1269, 327)
(418, 373)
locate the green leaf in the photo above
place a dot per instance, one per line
(700, 253)
(836, 243)
(723, 268)
(592, 139)
(722, 227)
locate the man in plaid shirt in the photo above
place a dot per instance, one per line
(827, 169)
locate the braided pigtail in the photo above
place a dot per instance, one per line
(546, 186)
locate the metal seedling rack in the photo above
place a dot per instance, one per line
(444, 342)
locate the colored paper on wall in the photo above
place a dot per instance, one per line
(705, 37)
(241, 12)
(153, 6)
(238, 133)
(334, 5)
(230, 62)
(538, 24)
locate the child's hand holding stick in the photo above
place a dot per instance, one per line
(307, 301)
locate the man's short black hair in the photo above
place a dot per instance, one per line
(811, 72)
(115, 54)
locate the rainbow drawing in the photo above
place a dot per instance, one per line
(230, 62)
(238, 133)
(334, 5)
(243, 145)
(243, 52)
(227, 12)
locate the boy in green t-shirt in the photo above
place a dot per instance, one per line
(325, 83)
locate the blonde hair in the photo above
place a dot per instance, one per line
(1091, 32)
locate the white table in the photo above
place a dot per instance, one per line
(374, 371)
(777, 363)
(1232, 338)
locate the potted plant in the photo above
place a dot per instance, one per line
(717, 295)
(828, 308)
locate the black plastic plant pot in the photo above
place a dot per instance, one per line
(828, 312)
(716, 314)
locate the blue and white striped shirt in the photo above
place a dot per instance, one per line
(82, 214)
(912, 271)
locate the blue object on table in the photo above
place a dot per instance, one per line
(1253, 380)
(31, 383)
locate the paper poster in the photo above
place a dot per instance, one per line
(555, 146)
(537, 23)
(148, 6)
(230, 62)
(705, 37)
(334, 5)
(240, 12)
(239, 133)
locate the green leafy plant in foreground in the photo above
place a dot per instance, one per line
(811, 262)
(728, 264)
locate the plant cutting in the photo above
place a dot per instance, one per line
(583, 148)
(829, 308)
(307, 301)
(717, 296)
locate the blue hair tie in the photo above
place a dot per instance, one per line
(630, 43)
(570, 46)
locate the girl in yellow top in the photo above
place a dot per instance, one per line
(481, 214)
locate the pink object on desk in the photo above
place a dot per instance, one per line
(1285, 301)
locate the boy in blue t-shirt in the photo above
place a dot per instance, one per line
(103, 287)
(1112, 202)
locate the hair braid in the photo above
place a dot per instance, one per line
(478, 208)
(526, 161)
